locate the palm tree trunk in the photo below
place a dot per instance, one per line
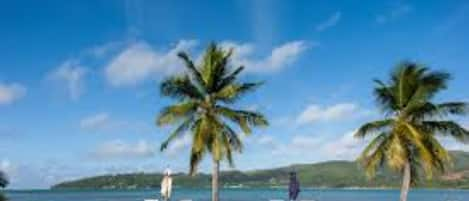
(216, 171)
(405, 182)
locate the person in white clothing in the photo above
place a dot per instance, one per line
(166, 185)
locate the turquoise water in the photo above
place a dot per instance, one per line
(240, 195)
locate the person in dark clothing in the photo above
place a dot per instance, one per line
(293, 187)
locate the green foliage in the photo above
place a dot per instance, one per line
(3, 184)
(204, 95)
(408, 133)
(336, 174)
(3, 180)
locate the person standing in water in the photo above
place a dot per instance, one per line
(293, 187)
(166, 185)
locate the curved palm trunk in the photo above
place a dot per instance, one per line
(215, 173)
(405, 182)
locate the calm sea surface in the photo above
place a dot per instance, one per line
(239, 195)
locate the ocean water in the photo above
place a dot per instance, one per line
(239, 195)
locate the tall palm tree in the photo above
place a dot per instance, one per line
(3, 184)
(204, 94)
(406, 139)
(3, 180)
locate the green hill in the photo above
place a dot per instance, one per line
(335, 174)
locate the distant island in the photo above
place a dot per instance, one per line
(332, 174)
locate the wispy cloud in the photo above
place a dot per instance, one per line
(118, 149)
(7, 167)
(94, 122)
(451, 144)
(341, 111)
(329, 22)
(263, 21)
(11, 92)
(139, 61)
(345, 147)
(279, 58)
(340, 147)
(102, 50)
(395, 13)
(458, 18)
(104, 122)
(70, 75)
(177, 145)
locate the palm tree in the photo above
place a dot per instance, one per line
(3, 184)
(3, 180)
(204, 94)
(406, 139)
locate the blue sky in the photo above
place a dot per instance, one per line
(78, 80)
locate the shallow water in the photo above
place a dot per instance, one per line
(240, 195)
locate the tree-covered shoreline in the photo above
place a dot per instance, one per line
(332, 174)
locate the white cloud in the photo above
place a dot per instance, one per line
(341, 147)
(330, 22)
(178, 144)
(297, 145)
(451, 144)
(10, 93)
(305, 142)
(48, 172)
(394, 14)
(139, 61)
(94, 122)
(8, 168)
(341, 111)
(118, 149)
(99, 51)
(465, 125)
(70, 74)
(265, 140)
(104, 122)
(346, 147)
(279, 57)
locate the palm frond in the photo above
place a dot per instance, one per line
(397, 153)
(220, 70)
(374, 144)
(178, 132)
(428, 111)
(229, 79)
(453, 108)
(180, 87)
(211, 61)
(198, 145)
(447, 128)
(192, 69)
(424, 153)
(373, 127)
(232, 137)
(245, 119)
(384, 97)
(374, 154)
(227, 145)
(233, 92)
(441, 157)
(172, 114)
(434, 82)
